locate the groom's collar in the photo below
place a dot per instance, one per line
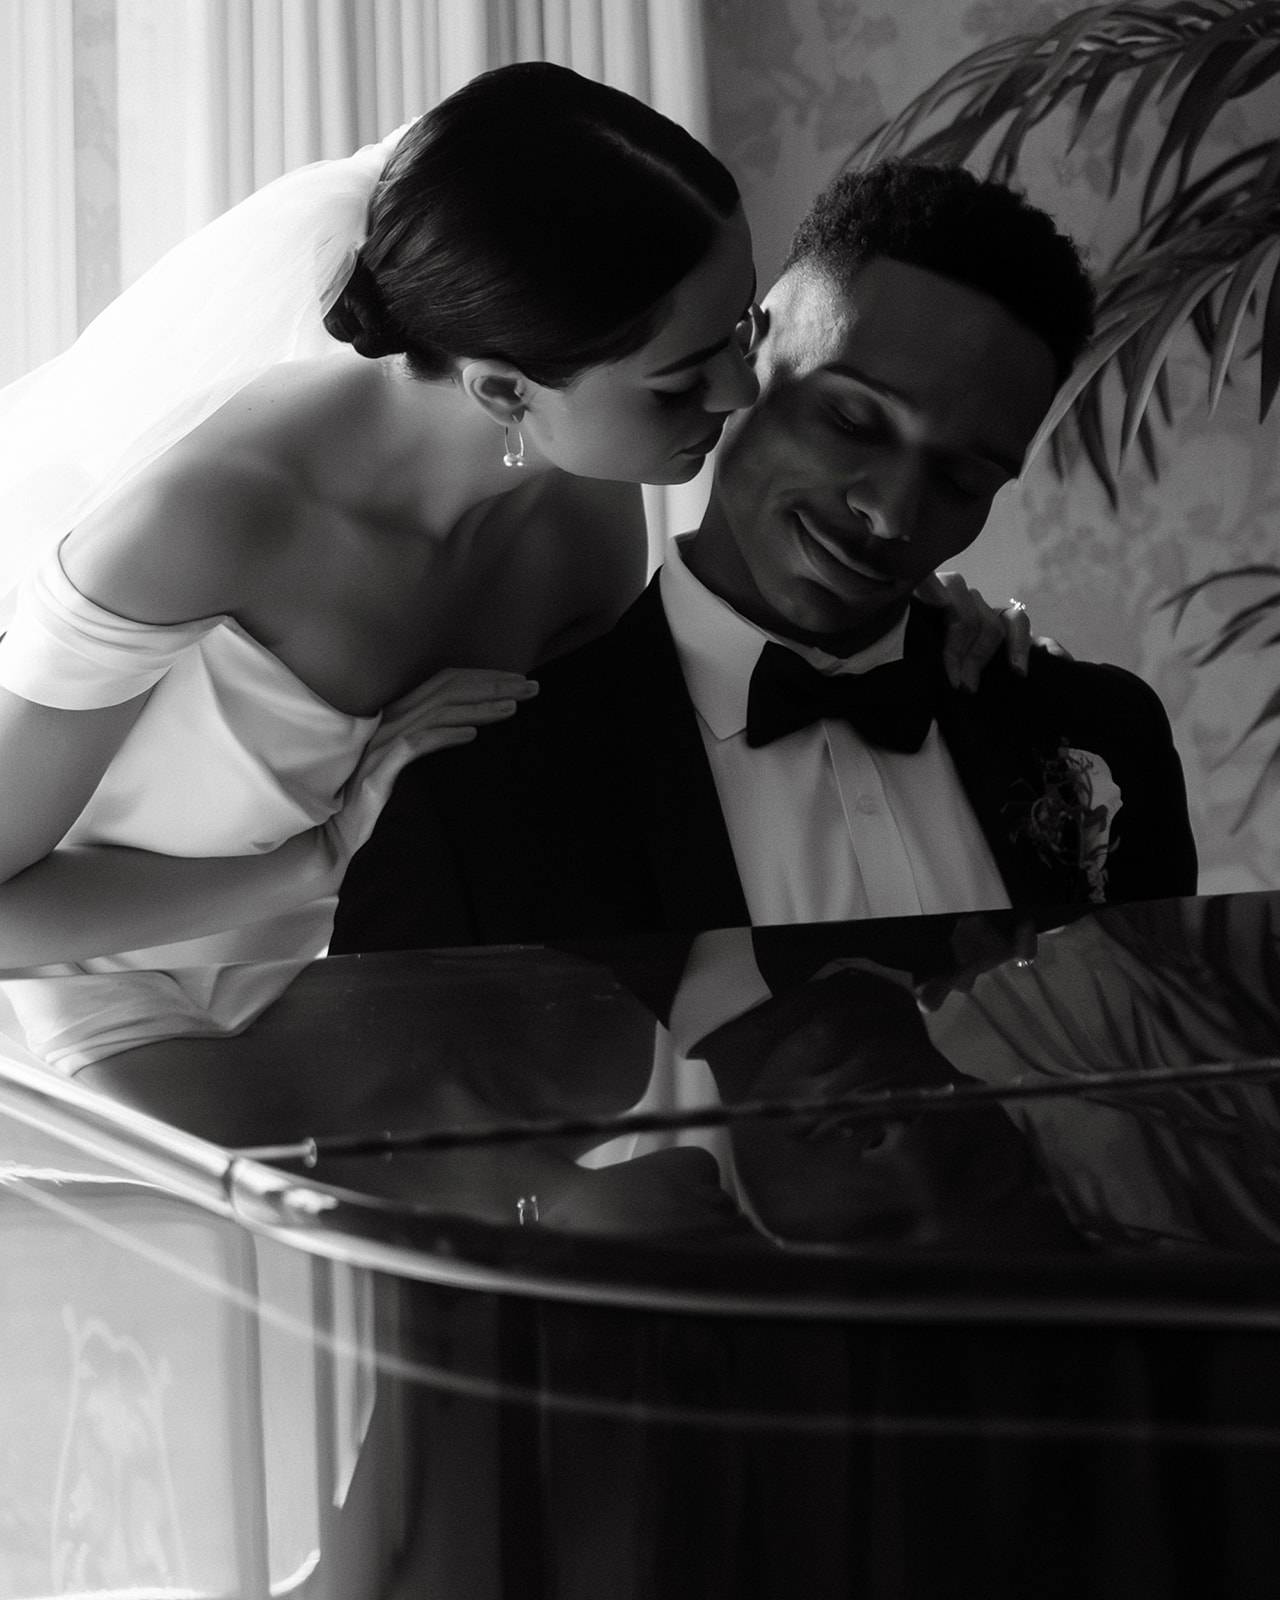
(718, 647)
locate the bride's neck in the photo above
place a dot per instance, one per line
(444, 452)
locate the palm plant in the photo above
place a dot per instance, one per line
(1203, 254)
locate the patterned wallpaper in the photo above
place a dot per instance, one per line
(795, 84)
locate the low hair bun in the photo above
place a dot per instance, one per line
(466, 257)
(359, 317)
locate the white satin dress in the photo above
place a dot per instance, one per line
(231, 755)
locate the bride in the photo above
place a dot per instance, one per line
(314, 495)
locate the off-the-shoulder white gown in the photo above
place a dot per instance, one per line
(231, 755)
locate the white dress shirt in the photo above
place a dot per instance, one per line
(823, 826)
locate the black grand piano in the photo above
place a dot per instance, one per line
(897, 1260)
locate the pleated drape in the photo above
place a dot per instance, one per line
(217, 97)
(38, 298)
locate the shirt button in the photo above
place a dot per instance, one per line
(868, 805)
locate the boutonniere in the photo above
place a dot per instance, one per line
(1066, 816)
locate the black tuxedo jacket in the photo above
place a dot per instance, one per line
(593, 812)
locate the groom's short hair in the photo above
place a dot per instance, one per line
(974, 231)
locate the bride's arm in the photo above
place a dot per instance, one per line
(80, 901)
(51, 761)
(90, 900)
(59, 727)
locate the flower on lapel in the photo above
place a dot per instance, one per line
(1067, 818)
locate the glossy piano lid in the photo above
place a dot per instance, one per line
(794, 1119)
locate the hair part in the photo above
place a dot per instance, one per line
(537, 217)
(974, 231)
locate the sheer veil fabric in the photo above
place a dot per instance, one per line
(248, 291)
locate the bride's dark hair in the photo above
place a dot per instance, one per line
(536, 216)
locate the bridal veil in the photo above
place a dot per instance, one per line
(246, 292)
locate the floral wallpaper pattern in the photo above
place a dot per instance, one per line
(794, 85)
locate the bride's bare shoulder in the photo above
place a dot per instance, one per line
(183, 540)
(192, 535)
(292, 413)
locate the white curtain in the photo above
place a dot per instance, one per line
(38, 299)
(126, 124)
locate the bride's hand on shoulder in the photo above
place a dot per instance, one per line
(451, 707)
(448, 709)
(977, 632)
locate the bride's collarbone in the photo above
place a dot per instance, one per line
(363, 608)
(361, 626)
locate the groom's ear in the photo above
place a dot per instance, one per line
(497, 388)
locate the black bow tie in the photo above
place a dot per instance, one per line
(890, 706)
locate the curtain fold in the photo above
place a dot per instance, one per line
(38, 181)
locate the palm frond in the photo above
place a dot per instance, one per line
(1268, 783)
(1204, 276)
(1235, 306)
(1067, 67)
(1092, 94)
(1217, 196)
(1269, 712)
(1182, 597)
(1270, 350)
(1211, 53)
(1146, 441)
(1135, 102)
(1104, 348)
(1164, 396)
(1228, 62)
(1088, 419)
(1235, 631)
(1157, 340)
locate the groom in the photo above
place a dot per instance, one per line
(767, 736)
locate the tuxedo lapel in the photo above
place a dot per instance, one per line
(675, 807)
(994, 767)
(996, 747)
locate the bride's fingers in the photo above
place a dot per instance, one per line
(1017, 627)
(478, 683)
(1054, 648)
(466, 686)
(463, 712)
(456, 695)
(442, 738)
(974, 634)
(974, 631)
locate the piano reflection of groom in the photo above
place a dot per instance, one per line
(768, 735)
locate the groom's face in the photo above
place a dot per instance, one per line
(890, 414)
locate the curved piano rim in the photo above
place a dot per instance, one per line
(806, 1284)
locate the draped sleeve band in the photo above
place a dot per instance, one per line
(65, 651)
